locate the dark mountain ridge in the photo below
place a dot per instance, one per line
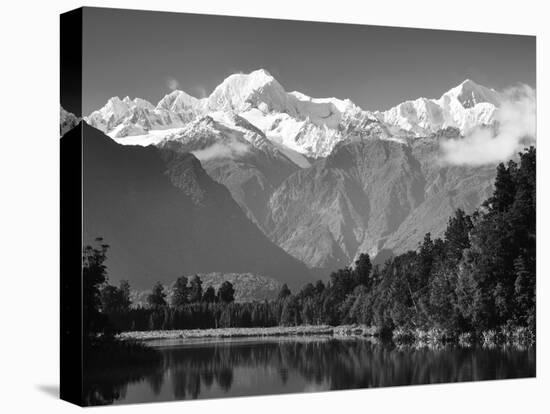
(164, 216)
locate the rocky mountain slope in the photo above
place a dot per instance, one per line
(237, 155)
(374, 196)
(361, 191)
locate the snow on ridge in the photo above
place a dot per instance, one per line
(464, 107)
(239, 92)
(178, 100)
(294, 122)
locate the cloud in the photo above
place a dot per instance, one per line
(201, 91)
(230, 149)
(172, 84)
(516, 128)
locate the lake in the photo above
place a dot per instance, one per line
(242, 367)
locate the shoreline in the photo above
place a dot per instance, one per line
(520, 337)
(226, 333)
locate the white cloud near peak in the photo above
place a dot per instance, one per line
(516, 128)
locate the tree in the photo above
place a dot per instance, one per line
(180, 292)
(226, 293)
(195, 289)
(505, 188)
(397, 295)
(457, 236)
(115, 299)
(111, 299)
(443, 300)
(307, 291)
(209, 295)
(363, 267)
(226, 317)
(94, 276)
(319, 287)
(342, 283)
(157, 297)
(472, 302)
(525, 290)
(425, 259)
(290, 314)
(126, 301)
(284, 292)
(329, 308)
(498, 265)
(308, 311)
(375, 275)
(358, 306)
(523, 216)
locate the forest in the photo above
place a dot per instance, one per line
(478, 278)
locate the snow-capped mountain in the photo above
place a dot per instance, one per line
(236, 154)
(67, 121)
(241, 92)
(126, 117)
(300, 126)
(464, 107)
(178, 101)
(233, 134)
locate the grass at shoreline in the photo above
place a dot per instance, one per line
(346, 330)
(519, 337)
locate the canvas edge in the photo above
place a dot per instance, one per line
(71, 309)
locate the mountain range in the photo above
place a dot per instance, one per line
(301, 126)
(308, 182)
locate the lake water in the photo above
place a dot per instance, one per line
(273, 366)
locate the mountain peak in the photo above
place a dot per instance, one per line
(470, 93)
(178, 101)
(464, 107)
(256, 78)
(114, 100)
(261, 72)
(245, 91)
(467, 82)
(115, 107)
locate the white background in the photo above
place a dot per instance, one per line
(29, 206)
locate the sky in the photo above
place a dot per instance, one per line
(146, 54)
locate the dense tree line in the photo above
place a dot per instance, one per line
(479, 275)
(101, 349)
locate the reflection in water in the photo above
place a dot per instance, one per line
(270, 367)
